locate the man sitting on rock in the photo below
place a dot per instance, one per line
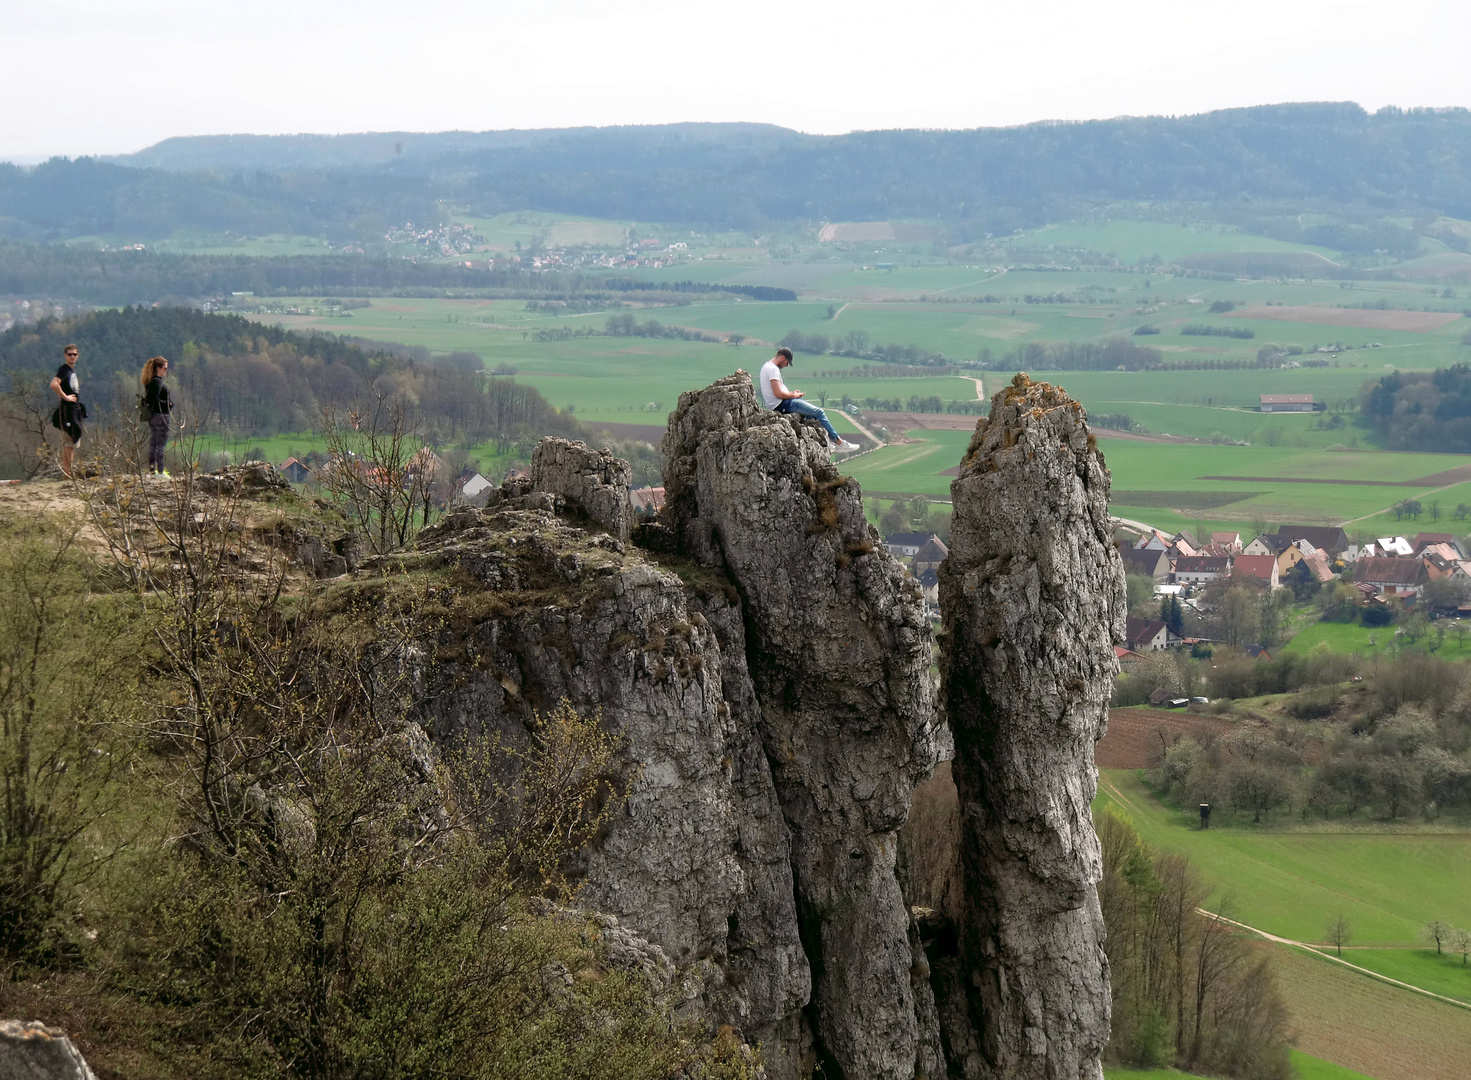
(775, 395)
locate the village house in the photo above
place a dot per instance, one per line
(1200, 569)
(1391, 576)
(1148, 562)
(904, 545)
(1231, 541)
(295, 471)
(647, 501)
(1154, 540)
(1127, 657)
(1424, 541)
(1266, 544)
(1259, 568)
(1330, 538)
(930, 556)
(929, 586)
(1288, 403)
(1395, 547)
(1148, 635)
(475, 488)
(1317, 564)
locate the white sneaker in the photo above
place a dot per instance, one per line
(843, 446)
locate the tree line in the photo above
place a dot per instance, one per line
(133, 277)
(1393, 747)
(857, 344)
(254, 380)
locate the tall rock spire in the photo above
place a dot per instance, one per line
(1032, 598)
(839, 653)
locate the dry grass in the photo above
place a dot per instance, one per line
(929, 844)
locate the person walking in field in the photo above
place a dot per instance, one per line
(776, 396)
(156, 398)
(70, 412)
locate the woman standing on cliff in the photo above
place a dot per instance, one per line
(156, 398)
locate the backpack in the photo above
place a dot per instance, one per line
(145, 410)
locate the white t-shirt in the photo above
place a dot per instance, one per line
(770, 371)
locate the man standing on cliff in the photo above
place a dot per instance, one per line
(776, 396)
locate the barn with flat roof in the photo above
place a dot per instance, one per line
(1288, 403)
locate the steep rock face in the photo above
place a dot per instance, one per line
(594, 480)
(1032, 596)
(839, 654)
(33, 1051)
(698, 863)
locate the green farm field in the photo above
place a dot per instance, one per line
(1307, 1066)
(1132, 241)
(1356, 1022)
(1290, 879)
(1354, 638)
(1268, 491)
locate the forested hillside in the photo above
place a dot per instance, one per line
(1242, 161)
(256, 380)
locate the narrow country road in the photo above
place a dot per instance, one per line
(1336, 959)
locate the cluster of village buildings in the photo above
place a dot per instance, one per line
(1391, 568)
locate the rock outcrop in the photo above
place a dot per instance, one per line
(1032, 596)
(33, 1051)
(545, 606)
(767, 666)
(839, 654)
(594, 480)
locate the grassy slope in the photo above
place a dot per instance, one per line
(1291, 882)
(1308, 1068)
(1353, 638)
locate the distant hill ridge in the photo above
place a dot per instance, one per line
(1257, 167)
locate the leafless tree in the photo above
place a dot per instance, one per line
(1338, 932)
(380, 470)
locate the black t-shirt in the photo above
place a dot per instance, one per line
(70, 384)
(156, 394)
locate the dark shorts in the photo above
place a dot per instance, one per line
(66, 420)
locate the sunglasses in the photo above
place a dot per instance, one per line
(71, 354)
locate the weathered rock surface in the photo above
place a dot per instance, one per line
(767, 665)
(839, 653)
(1032, 596)
(33, 1051)
(592, 479)
(698, 863)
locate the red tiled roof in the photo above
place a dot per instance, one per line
(1257, 566)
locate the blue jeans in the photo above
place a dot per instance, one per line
(801, 408)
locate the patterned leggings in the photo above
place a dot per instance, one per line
(158, 436)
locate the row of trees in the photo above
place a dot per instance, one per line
(857, 344)
(1188, 991)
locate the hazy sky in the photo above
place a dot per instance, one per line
(111, 76)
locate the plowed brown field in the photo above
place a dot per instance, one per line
(1133, 739)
